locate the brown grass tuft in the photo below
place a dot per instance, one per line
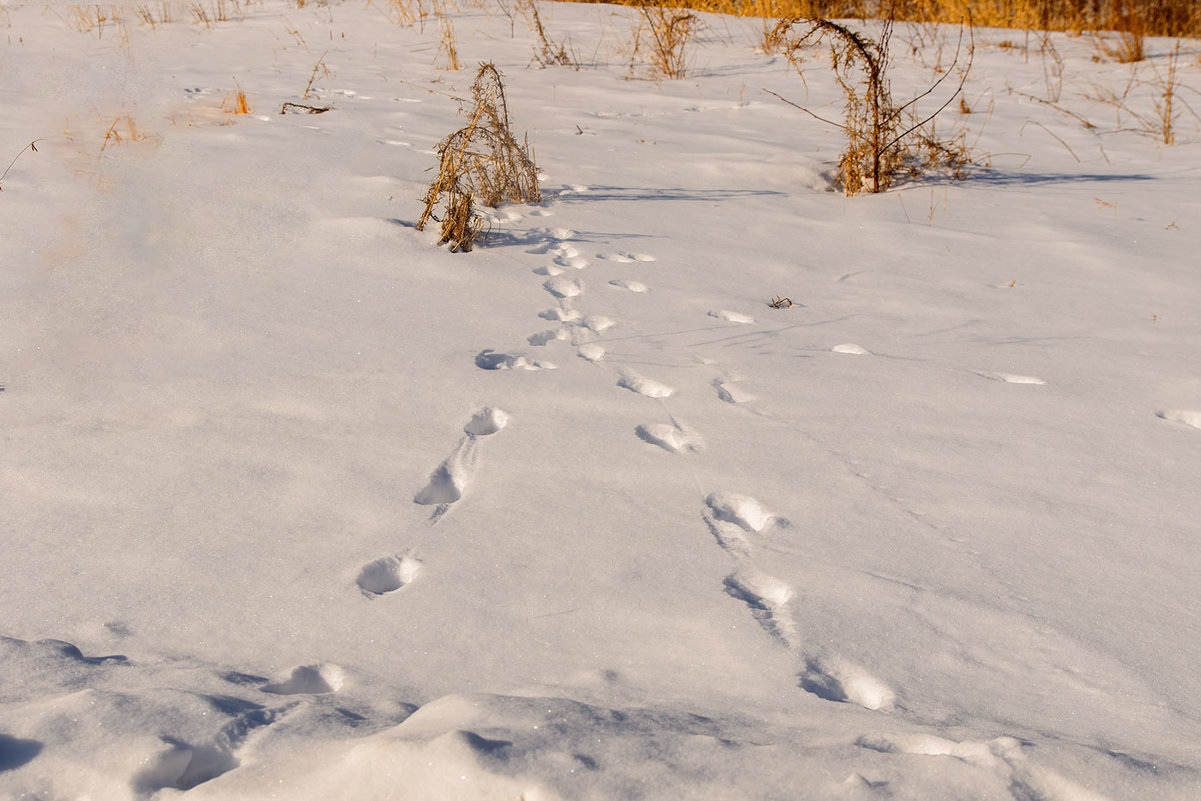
(880, 146)
(235, 103)
(482, 162)
(666, 33)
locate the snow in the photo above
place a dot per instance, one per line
(295, 506)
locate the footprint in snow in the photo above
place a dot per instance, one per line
(598, 323)
(449, 480)
(563, 287)
(591, 352)
(1001, 756)
(491, 360)
(1189, 418)
(309, 680)
(729, 391)
(560, 315)
(1010, 378)
(543, 337)
(626, 257)
(645, 386)
(629, 286)
(671, 437)
(568, 256)
(840, 681)
(387, 574)
(767, 597)
(732, 316)
(741, 510)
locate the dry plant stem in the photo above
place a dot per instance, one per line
(309, 86)
(31, 146)
(308, 109)
(668, 31)
(551, 54)
(1083, 121)
(481, 161)
(446, 41)
(877, 148)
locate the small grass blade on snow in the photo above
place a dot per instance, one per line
(31, 146)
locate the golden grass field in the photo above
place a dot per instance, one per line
(1140, 17)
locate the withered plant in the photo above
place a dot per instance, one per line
(482, 163)
(447, 47)
(547, 53)
(666, 33)
(33, 146)
(882, 144)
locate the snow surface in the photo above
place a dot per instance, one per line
(295, 508)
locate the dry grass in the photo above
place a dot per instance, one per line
(483, 163)
(447, 48)
(123, 130)
(236, 103)
(547, 53)
(1155, 17)
(97, 19)
(884, 140)
(665, 33)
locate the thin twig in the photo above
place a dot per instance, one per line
(31, 146)
(1048, 130)
(840, 126)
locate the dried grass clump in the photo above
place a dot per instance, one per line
(236, 103)
(482, 162)
(548, 53)
(882, 145)
(666, 33)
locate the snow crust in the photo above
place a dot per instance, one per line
(296, 507)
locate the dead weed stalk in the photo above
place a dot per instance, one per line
(667, 33)
(482, 162)
(881, 144)
(546, 53)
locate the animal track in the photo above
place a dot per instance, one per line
(670, 437)
(732, 316)
(309, 680)
(450, 479)
(387, 574)
(629, 286)
(598, 323)
(543, 337)
(767, 598)
(486, 422)
(1001, 756)
(742, 510)
(645, 386)
(591, 351)
(625, 257)
(568, 256)
(560, 314)
(838, 680)
(730, 392)
(1009, 378)
(562, 287)
(1181, 416)
(491, 360)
